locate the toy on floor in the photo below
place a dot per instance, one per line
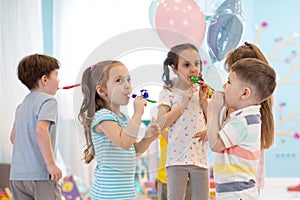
(5, 194)
(295, 188)
(73, 189)
(212, 189)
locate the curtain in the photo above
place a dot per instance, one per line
(21, 34)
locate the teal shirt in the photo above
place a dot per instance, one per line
(115, 170)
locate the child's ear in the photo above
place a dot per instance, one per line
(247, 93)
(173, 69)
(101, 91)
(44, 80)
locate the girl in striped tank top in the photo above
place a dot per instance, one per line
(110, 134)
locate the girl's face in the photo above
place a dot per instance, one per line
(233, 91)
(118, 85)
(188, 65)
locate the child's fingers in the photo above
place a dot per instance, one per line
(154, 125)
(141, 100)
(153, 120)
(201, 135)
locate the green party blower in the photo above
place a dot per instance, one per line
(209, 90)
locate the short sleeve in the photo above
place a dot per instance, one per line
(48, 110)
(233, 132)
(164, 98)
(103, 115)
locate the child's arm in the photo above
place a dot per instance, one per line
(44, 142)
(12, 135)
(151, 134)
(121, 138)
(203, 98)
(166, 117)
(213, 126)
(124, 138)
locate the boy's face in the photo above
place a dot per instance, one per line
(233, 91)
(52, 82)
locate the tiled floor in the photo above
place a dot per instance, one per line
(276, 189)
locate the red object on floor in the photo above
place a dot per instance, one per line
(294, 188)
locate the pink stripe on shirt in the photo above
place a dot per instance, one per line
(242, 153)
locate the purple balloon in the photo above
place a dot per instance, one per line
(225, 29)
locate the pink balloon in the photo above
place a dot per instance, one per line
(179, 22)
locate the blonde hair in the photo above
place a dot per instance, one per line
(94, 75)
(248, 50)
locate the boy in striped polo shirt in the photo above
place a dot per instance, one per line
(237, 142)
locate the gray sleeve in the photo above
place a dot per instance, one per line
(48, 110)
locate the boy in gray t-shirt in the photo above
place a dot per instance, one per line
(34, 173)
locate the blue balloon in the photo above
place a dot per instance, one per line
(226, 28)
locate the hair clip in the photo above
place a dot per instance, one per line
(246, 45)
(92, 67)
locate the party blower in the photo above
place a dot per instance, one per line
(69, 86)
(209, 90)
(145, 94)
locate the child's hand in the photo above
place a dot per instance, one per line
(186, 97)
(153, 131)
(55, 172)
(217, 102)
(139, 104)
(201, 135)
(202, 91)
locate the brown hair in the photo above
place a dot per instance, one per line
(248, 50)
(258, 74)
(31, 68)
(92, 76)
(172, 59)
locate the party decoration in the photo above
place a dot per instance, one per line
(286, 79)
(5, 194)
(280, 44)
(212, 73)
(180, 22)
(145, 95)
(69, 189)
(69, 86)
(225, 29)
(209, 7)
(260, 31)
(152, 10)
(209, 90)
(205, 58)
